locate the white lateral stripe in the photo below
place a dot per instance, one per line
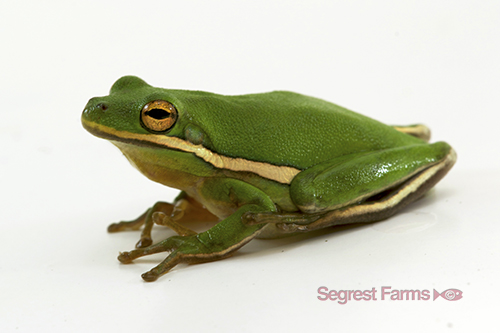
(281, 174)
(403, 193)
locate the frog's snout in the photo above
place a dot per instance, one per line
(96, 104)
(94, 109)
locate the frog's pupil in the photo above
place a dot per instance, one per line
(158, 114)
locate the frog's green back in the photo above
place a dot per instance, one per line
(280, 127)
(286, 128)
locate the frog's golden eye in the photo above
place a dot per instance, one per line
(158, 116)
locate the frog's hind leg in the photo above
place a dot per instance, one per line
(375, 208)
(420, 131)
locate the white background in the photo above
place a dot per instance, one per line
(401, 62)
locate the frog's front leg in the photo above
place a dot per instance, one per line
(218, 242)
(145, 219)
(184, 209)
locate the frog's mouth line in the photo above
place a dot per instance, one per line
(281, 174)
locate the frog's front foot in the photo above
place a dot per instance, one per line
(128, 225)
(125, 257)
(186, 249)
(161, 218)
(149, 276)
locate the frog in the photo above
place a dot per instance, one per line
(261, 165)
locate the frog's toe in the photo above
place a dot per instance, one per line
(114, 227)
(144, 242)
(166, 265)
(124, 226)
(124, 257)
(149, 276)
(128, 225)
(169, 244)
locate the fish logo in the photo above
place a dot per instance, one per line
(449, 294)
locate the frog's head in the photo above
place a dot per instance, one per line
(132, 109)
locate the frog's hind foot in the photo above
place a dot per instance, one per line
(419, 131)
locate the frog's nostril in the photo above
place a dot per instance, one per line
(102, 106)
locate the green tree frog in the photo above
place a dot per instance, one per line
(262, 165)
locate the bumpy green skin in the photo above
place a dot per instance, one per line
(345, 157)
(281, 127)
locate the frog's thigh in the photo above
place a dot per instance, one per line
(348, 180)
